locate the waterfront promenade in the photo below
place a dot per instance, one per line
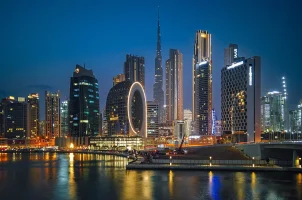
(136, 166)
(222, 157)
(126, 155)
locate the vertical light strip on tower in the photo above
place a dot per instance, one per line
(285, 104)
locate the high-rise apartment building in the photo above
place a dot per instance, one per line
(230, 54)
(202, 84)
(295, 120)
(174, 87)
(84, 105)
(52, 115)
(15, 117)
(34, 114)
(158, 93)
(272, 112)
(118, 78)
(240, 100)
(134, 69)
(64, 118)
(152, 119)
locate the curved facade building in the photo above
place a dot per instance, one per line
(126, 110)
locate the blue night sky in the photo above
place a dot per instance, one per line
(42, 41)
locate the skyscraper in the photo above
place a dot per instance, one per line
(295, 121)
(64, 118)
(84, 106)
(152, 119)
(118, 78)
(272, 112)
(34, 114)
(126, 110)
(174, 87)
(134, 69)
(240, 100)
(158, 93)
(202, 84)
(230, 54)
(286, 113)
(52, 115)
(15, 117)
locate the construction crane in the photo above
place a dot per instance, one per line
(179, 150)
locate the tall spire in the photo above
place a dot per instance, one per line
(158, 93)
(158, 49)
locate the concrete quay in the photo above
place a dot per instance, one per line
(136, 166)
(76, 152)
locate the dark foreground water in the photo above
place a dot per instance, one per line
(88, 177)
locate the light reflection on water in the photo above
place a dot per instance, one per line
(90, 176)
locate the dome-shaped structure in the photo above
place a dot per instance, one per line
(126, 108)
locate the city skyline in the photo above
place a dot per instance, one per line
(35, 70)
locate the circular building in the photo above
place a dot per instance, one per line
(126, 110)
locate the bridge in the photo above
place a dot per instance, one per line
(284, 151)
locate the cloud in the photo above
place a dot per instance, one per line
(40, 87)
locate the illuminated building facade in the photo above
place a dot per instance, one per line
(295, 120)
(188, 121)
(1, 120)
(34, 114)
(15, 117)
(213, 122)
(64, 118)
(285, 108)
(218, 131)
(84, 105)
(152, 119)
(158, 93)
(126, 110)
(52, 115)
(230, 54)
(42, 128)
(272, 112)
(202, 84)
(134, 69)
(178, 129)
(240, 100)
(116, 143)
(104, 124)
(118, 78)
(174, 87)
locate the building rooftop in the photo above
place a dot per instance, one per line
(82, 71)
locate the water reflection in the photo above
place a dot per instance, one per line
(90, 176)
(171, 182)
(214, 185)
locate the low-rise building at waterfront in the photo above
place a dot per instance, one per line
(116, 143)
